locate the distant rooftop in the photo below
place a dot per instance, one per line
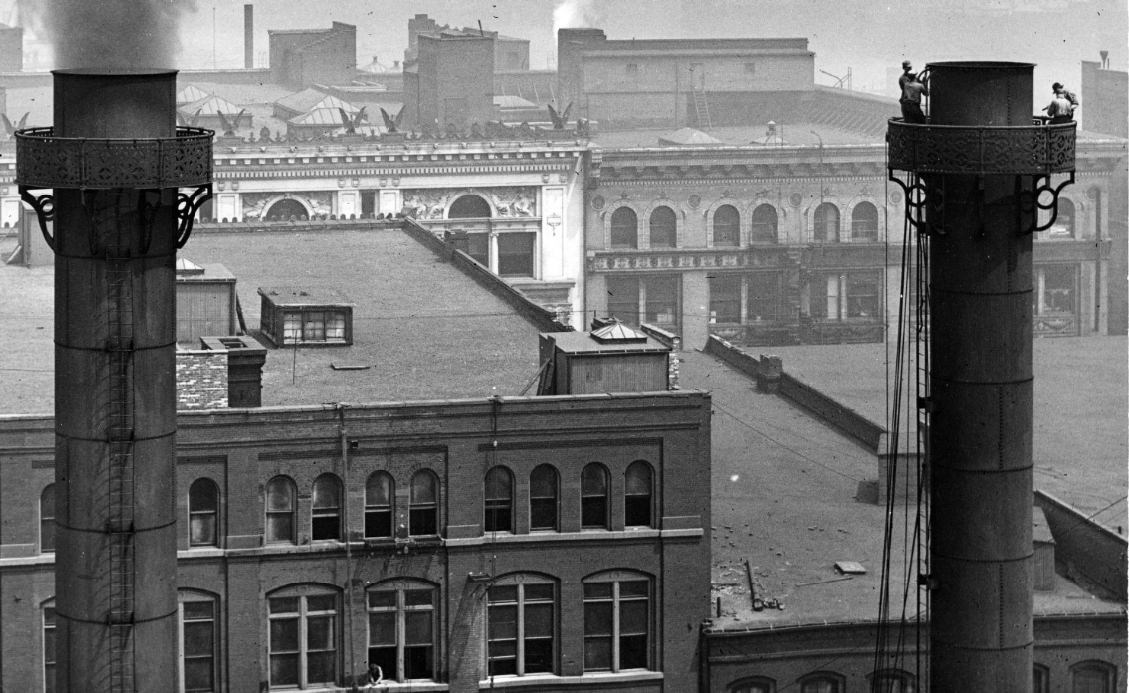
(422, 328)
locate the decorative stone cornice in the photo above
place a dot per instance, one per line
(810, 256)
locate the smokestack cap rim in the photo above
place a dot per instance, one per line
(122, 72)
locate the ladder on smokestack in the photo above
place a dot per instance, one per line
(702, 108)
(120, 522)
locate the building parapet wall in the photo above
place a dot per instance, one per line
(1086, 549)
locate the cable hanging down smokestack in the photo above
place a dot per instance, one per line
(985, 170)
(115, 162)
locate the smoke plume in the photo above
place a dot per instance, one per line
(575, 13)
(129, 34)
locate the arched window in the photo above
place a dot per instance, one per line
(199, 641)
(893, 681)
(423, 505)
(203, 512)
(637, 503)
(617, 622)
(379, 494)
(1064, 220)
(764, 224)
(402, 629)
(753, 684)
(469, 207)
(1093, 676)
(663, 228)
(624, 228)
(521, 634)
(726, 226)
(49, 657)
(325, 508)
(825, 227)
(280, 510)
(286, 209)
(822, 682)
(543, 485)
(304, 636)
(864, 222)
(594, 497)
(499, 499)
(47, 520)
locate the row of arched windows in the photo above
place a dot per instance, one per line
(544, 498)
(725, 228)
(422, 517)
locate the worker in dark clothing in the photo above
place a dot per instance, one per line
(912, 90)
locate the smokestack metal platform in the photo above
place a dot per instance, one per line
(114, 164)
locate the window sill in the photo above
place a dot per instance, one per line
(413, 686)
(537, 681)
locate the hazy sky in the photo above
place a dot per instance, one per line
(867, 36)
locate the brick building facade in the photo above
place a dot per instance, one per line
(532, 543)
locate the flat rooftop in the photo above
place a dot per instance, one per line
(422, 328)
(786, 498)
(1080, 440)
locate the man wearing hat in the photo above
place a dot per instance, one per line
(1061, 108)
(907, 70)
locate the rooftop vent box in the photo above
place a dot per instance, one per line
(611, 358)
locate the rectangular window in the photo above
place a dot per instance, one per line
(623, 299)
(49, 649)
(334, 327)
(863, 295)
(198, 645)
(662, 300)
(515, 254)
(313, 327)
(725, 299)
(402, 631)
(617, 625)
(478, 247)
(291, 328)
(520, 637)
(764, 297)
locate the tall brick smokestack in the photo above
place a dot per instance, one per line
(248, 36)
(115, 161)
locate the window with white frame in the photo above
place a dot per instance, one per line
(280, 502)
(379, 497)
(521, 634)
(203, 512)
(49, 657)
(1056, 288)
(617, 622)
(304, 637)
(402, 629)
(198, 642)
(325, 508)
(594, 497)
(544, 485)
(314, 327)
(47, 519)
